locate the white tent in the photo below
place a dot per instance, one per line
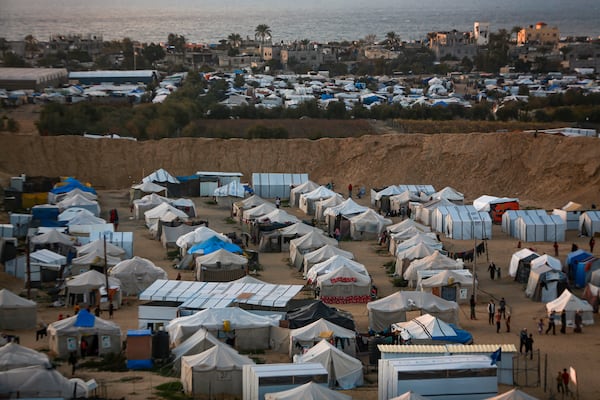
(345, 372)
(97, 246)
(220, 260)
(405, 255)
(160, 175)
(344, 285)
(589, 223)
(52, 237)
(407, 224)
(308, 391)
(200, 341)
(452, 285)
(295, 192)
(84, 219)
(571, 304)
(89, 283)
(514, 394)
(251, 330)
(258, 211)
(246, 204)
(545, 259)
(322, 254)
(483, 203)
(13, 355)
(16, 312)
(333, 263)
(65, 335)
(146, 203)
(545, 283)
(322, 205)
(313, 333)
(367, 225)
(399, 202)
(40, 382)
(346, 208)
(72, 212)
(423, 328)
(391, 309)
(406, 234)
(424, 213)
(279, 240)
(199, 235)
(136, 274)
(388, 191)
(149, 187)
(435, 261)
(153, 215)
(278, 216)
(428, 239)
(410, 396)
(81, 202)
(232, 189)
(307, 200)
(56, 198)
(307, 243)
(84, 262)
(450, 194)
(518, 256)
(215, 372)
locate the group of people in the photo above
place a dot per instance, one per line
(526, 343)
(494, 271)
(553, 317)
(562, 382)
(494, 316)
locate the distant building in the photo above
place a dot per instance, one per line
(481, 32)
(541, 34)
(90, 43)
(145, 77)
(32, 78)
(380, 52)
(453, 44)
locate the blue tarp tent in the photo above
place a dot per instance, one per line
(573, 258)
(71, 184)
(213, 244)
(85, 319)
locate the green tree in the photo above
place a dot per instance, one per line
(235, 40)
(31, 46)
(392, 40)
(336, 110)
(153, 53)
(177, 41)
(262, 33)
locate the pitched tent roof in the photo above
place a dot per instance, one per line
(332, 264)
(83, 323)
(322, 205)
(406, 224)
(447, 277)
(233, 188)
(160, 175)
(406, 234)
(10, 300)
(388, 191)
(314, 311)
(200, 341)
(324, 253)
(305, 187)
(136, 274)
(97, 247)
(72, 212)
(78, 200)
(344, 275)
(85, 219)
(570, 303)
(482, 203)
(545, 259)
(90, 280)
(95, 258)
(518, 256)
(313, 331)
(199, 235)
(449, 193)
(220, 357)
(318, 193)
(428, 239)
(16, 312)
(344, 369)
(571, 206)
(160, 210)
(368, 221)
(39, 381)
(308, 391)
(298, 229)
(427, 327)
(278, 216)
(418, 251)
(434, 261)
(251, 201)
(514, 394)
(259, 210)
(410, 395)
(53, 236)
(214, 244)
(220, 258)
(345, 208)
(149, 187)
(13, 355)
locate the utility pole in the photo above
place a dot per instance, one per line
(474, 269)
(28, 261)
(105, 273)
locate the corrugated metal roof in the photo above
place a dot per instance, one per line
(112, 74)
(446, 348)
(216, 173)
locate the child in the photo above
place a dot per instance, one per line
(540, 326)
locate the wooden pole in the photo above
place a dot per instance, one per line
(474, 268)
(28, 261)
(105, 273)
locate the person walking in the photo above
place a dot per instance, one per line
(566, 378)
(472, 304)
(73, 362)
(507, 322)
(491, 312)
(111, 310)
(502, 305)
(97, 311)
(555, 245)
(529, 346)
(563, 322)
(492, 270)
(277, 202)
(560, 387)
(523, 341)
(540, 326)
(498, 273)
(498, 321)
(578, 322)
(349, 190)
(592, 243)
(551, 322)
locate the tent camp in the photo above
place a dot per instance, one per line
(407, 224)
(380, 198)
(520, 264)
(589, 223)
(436, 261)
(200, 341)
(253, 213)
(345, 372)
(198, 235)
(239, 207)
(40, 382)
(322, 205)
(307, 243)
(545, 283)
(548, 260)
(424, 213)
(393, 308)
(427, 329)
(13, 355)
(308, 200)
(153, 215)
(429, 239)
(449, 194)
(54, 198)
(145, 188)
(214, 372)
(311, 334)
(53, 239)
(322, 254)
(220, 266)
(333, 263)
(464, 223)
(171, 232)
(251, 331)
(367, 225)
(164, 178)
(400, 203)
(279, 239)
(570, 214)
(406, 255)
(97, 247)
(308, 391)
(84, 288)
(94, 259)
(312, 312)
(214, 244)
(495, 206)
(102, 337)
(146, 203)
(344, 285)
(296, 191)
(571, 304)
(514, 394)
(336, 217)
(136, 274)
(398, 237)
(80, 201)
(16, 312)
(278, 216)
(451, 285)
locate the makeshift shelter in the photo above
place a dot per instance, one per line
(345, 372)
(307, 243)
(97, 246)
(545, 259)
(239, 207)
(520, 264)
(429, 239)
(213, 244)
(308, 200)
(297, 191)
(464, 223)
(589, 223)
(344, 285)
(570, 214)
(61, 193)
(407, 224)
(147, 203)
(198, 235)
(164, 178)
(436, 261)
(400, 203)
(393, 308)
(220, 266)
(424, 213)
(145, 188)
(591, 294)
(323, 254)
(72, 212)
(258, 211)
(584, 270)
(278, 216)
(495, 206)
(450, 285)
(229, 194)
(16, 312)
(571, 304)
(80, 201)
(136, 274)
(249, 331)
(449, 194)
(171, 232)
(90, 260)
(311, 334)
(199, 342)
(333, 263)
(573, 260)
(40, 382)
(153, 215)
(514, 394)
(263, 379)
(214, 372)
(53, 240)
(279, 239)
(308, 391)
(427, 329)
(336, 217)
(545, 283)
(318, 310)
(84, 219)
(380, 198)
(85, 289)
(367, 225)
(13, 355)
(322, 205)
(102, 336)
(406, 255)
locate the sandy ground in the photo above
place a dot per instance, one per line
(561, 351)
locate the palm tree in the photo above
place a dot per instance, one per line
(391, 39)
(235, 39)
(31, 45)
(262, 32)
